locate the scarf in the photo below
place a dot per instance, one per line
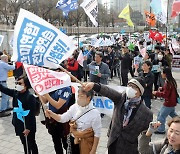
(129, 105)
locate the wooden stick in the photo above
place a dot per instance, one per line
(78, 81)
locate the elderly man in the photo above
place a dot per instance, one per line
(4, 68)
(130, 116)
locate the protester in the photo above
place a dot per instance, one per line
(110, 60)
(72, 65)
(4, 68)
(126, 62)
(169, 93)
(28, 101)
(85, 123)
(130, 115)
(99, 71)
(160, 63)
(149, 80)
(170, 145)
(168, 57)
(58, 103)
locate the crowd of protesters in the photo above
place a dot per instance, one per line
(151, 75)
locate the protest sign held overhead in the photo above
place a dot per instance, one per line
(91, 9)
(44, 80)
(37, 42)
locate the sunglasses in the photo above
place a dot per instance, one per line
(19, 83)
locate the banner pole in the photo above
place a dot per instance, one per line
(27, 149)
(72, 76)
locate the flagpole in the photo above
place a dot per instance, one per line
(167, 23)
(27, 149)
(72, 76)
(78, 27)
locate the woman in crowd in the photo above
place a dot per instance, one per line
(170, 145)
(169, 93)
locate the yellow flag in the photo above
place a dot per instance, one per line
(125, 14)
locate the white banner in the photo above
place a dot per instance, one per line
(91, 9)
(39, 43)
(1, 39)
(44, 80)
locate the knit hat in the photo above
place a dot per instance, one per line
(139, 82)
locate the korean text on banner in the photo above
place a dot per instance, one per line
(37, 42)
(91, 9)
(44, 80)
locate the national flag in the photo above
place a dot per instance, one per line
(143, 52)
(125, 14)
(44, 80)
(91, 9)
(150, 18)
(67, 5)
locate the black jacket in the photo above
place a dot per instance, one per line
(126, 61)
(28, 103)
(149, 80)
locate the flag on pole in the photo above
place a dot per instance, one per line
(67, 5)
(91, 9)
(1, 39)
(44, 80)
(80, 58)
(150, 18)
(175, 8)
(125, 14)
(37, 42)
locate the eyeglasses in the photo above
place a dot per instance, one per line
(19, 83)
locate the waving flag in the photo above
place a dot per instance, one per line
(175, 8)
(1, 39)
(125, 14)
(91, 9)
(44, 80)
(150, 18)
(37, 42)
(156, 6)
(66, 6)
(20, 111)
(80, 58)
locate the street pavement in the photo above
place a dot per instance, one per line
(10, 144)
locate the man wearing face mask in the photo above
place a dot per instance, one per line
(85, 125)
(28, 101)
(4, 68)
(130, 116)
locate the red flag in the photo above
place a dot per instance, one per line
(175, 8)
(158, 37)
(152, 34)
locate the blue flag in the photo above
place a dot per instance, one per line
(20, 111)
(66, 6)
(156, 6)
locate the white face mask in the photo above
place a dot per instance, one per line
(19, 87)
(130, 92)
(160, 57)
